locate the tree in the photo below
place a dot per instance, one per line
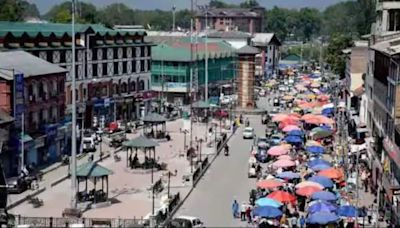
(85, 13)
(11, 10)
(116, 14)
(334, 55)
(220, 4)
(183, 18)
(309, 22)
(249, 4)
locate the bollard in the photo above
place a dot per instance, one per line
(51, 222)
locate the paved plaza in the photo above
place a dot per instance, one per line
(128, 188)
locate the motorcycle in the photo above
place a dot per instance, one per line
(117, 158)
(226, 152)
(247, 123)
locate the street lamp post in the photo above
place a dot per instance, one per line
(173, 18)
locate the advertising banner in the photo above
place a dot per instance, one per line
(18, 99)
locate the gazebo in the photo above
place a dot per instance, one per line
(151, 120)
(142, 143)
(92, 170)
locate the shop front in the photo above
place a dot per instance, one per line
(103, 111)
(53, 152)
(143, 102)
(391, 178)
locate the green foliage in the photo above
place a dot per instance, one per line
(219, 4)
(11, 10)
(116, 14)
(85, 13)
(249, 4)
(29, 10)
(310, 51)
(334, 55)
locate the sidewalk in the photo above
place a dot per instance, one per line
(128, 189)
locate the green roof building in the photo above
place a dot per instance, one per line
(172, 64)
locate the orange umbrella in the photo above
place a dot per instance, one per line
(308, 116)
(307, 191)
(287, 122)
(295, 114)
(279, 117)
(323, 97)
(307, 105)
(282, 196)
(271, 183)
(314, 120)
(325, 120)
(332, 173)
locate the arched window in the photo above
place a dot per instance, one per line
(115, 89)
(104, 90)
(133, 86)
(141, 85)
(124, 87)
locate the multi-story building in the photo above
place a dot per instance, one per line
(35, 88)
(269, 45)
(172, 64)
(112, 66)
(383, 93)
(221, 19)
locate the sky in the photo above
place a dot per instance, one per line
(45, 5)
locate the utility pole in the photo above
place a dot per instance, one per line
(23, 141)
(191, 77)
(73, 151)
(173, 18)
(206, 60)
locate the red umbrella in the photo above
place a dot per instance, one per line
(282, 196)
(307, 191)
(332, 173)
(271, 183)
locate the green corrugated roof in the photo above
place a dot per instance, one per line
(92, 169)
(46, 29)
(140, 142)
(177, 51)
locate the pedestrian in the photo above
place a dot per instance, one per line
(369, 213)
(248, 214)
(235, 209)
(364, 179)
(243, 208)
(301, 222)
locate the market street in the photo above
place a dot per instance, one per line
(225, 181)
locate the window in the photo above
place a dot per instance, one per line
(124, 68)
(94, 69)
(62, 56)
(104, 91)
(142, 54)
(116, 89)
(142, 66)
(134, 66)
(104, 68)
(116, 68)
(141, 85)
(133, 86)
(94, 55)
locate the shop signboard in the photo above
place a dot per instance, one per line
(18, 99)
(392, 150)
(51, 132)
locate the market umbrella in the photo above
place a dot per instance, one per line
(313, 143)
(268, 202)
(277, 150)
(314, 120)
(283, 163)
(296, 133)
(271, 183)
(307, 191)
(324, 181)
(285, 157)
(322, 218)
(320, 167)
(323, 97)
(282, 196)
(293, 139)
(310, 96)
(350, 211)
(325, 120)
(321, 206)
(310, 183)
(324, 195)
(308, 116)
(288, 175)
(279, 117)
(329, 105)
(327, 111)
(332, 173)
(318, 161)
(288, 97)
(290, 128)
(315, 149)
(267, 212)
(288, 121)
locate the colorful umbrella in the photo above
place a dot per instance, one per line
(332, 173)
(324, 195)
(285, 157)
(267, 212)
(268, 202)
(308, 116)
(325, 120)
(308, 184)
(330, 105)
(320, 167)
(271, 183)
(288, 175)
(324, 181)
(282, 196)
(283, 164)
(313, 143)
(322, 218)
(296, 133)
(279, 117)
(318, 161)
(278, 150)
(350, 211)
(288, 97)
(315, 149)
(314, 120)
(289, 128)
(323, 97)
(307, 191)
(293, 139)
(321, 206)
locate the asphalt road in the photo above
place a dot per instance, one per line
(225, 181)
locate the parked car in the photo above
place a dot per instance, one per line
(262, 142)
(248, 133)
(261, 155)
(89, 144)
(186, 222)
(275, 140)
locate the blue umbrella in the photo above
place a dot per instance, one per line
(288, 175)
(327, 111)
(315, 149)
(296, 133)
(320, 167)
(350, 211)
(326, 127)
(293, 139)
(318, 161)
(262, 202)
(322, 218)
(267, 212)
(323, 195)
(321, 206)
(324, 181)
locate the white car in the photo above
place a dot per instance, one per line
(226, 100)
(193, 221)
(248, 133)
